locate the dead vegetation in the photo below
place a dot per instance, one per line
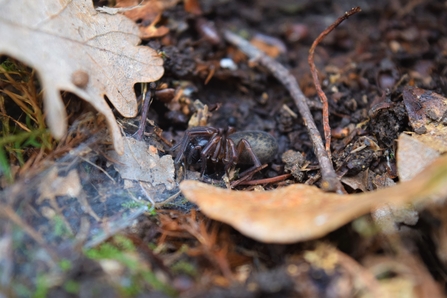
(85, 209)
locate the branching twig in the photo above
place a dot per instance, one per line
(313, 70)
(330, 180)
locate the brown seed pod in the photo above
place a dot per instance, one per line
(165, 95)
(80, 78)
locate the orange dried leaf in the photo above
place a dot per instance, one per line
(270, 50)
(148, 14)
(301, 212)
(75, 49)
(152, 30)
(146, 11)
(193, 6)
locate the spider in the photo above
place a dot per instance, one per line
(228, 146)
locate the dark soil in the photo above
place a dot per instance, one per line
(364, 65)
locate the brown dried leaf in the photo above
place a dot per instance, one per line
(152, 30)
(70, 185)
(193, 6)
(301, 212)
(427, 113)
(271, 50)
(147, 10)
(148, 13)
(65, 40)
(55, 185)
(423, 106)
(142, 162)
(413, 156)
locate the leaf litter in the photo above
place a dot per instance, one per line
(191, 255)
(302, 212)
(101, 48)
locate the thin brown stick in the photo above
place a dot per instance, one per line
(330, 179)
(266, 180)
(146, 103)
(247, 176)
(313, 70)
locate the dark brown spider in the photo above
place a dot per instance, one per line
(227, 146)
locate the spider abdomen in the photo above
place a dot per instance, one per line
(264, 146)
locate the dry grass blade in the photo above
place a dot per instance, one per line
(25, 138)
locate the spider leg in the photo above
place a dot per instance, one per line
(244, 144)
(230, 130)
(218, 148)
(230, 155)
(206, 152)
(188, 137)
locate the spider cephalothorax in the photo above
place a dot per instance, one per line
(226, 146)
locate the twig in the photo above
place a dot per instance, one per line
(266, 180)
(168, 200)
(246, 175)
(330, 180)
(145, 109)
(98, 167)
(313, 70)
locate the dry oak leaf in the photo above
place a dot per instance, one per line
(76, 49)
(146, 11)
(302, 212)
(148, 14)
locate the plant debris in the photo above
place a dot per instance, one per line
(77, 218)
(306, 211)
(141, 162)
(87, 56)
